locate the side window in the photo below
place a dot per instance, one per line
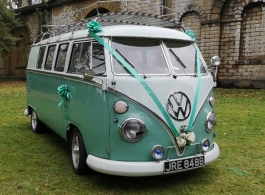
(98, 59)
(50, 56)
(61, 57)
(80, 58)
(40, 57)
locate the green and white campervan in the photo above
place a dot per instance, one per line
(131, 99)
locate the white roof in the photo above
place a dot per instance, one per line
(143, 31)
(136, 31)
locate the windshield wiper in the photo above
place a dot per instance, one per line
(131, 64)
(177, 58)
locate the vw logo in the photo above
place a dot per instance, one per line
(178, 106)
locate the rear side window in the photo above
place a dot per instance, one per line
(61, 57)
(40, 57)
(50, 56)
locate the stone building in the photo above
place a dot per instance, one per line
(232, 29)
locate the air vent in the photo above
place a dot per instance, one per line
(29, 82)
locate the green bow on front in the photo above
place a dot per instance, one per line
(93, 27)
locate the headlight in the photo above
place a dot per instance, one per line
(212, 101)
(205, 145)
(120, 107)
(132, 130)
(210, 122)
(158, 152)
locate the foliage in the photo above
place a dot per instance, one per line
(40, 164)
(8, 22)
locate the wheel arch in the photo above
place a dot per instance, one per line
(69, 131)
(30, 108)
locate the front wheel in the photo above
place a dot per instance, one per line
(78, 153)
(36, 125)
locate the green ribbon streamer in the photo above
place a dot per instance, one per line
(192, 35)
(198, 64)
(94, 27)
(65, 96)
(237, 171)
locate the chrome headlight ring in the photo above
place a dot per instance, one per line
(205, 145)
(132, 130)
(157, 152)
(210, 122)
(212, 101)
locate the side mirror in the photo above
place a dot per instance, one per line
(88, 74)
(215, 62)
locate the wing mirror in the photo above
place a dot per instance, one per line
(88, 74)
(215, 62)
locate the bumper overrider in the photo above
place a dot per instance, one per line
(136, 169)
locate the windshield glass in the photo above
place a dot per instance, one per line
(183, 56)
(145, 56)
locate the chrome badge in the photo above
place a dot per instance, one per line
(178, 106)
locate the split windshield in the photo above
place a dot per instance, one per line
(183, 56)
(147, 57)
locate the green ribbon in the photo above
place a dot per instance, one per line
(192, 34)
(94, 27)
(65, 96)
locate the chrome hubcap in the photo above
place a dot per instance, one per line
(34, 120)
(75, 151)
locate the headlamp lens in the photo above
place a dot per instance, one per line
(210, 122)
(205, 145)
(212, 101)
(157, 152)
(133, 130)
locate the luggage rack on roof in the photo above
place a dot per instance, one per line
(110, 19)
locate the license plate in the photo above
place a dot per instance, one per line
(183, 164)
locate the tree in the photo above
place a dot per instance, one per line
(8, 22)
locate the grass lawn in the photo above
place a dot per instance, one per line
(40, 164)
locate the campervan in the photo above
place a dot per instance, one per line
(131, 99)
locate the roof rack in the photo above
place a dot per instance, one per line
(166, 18)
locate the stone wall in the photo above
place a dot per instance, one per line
(231, 29)
(242, 45)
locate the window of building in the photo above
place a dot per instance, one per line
(252, 32)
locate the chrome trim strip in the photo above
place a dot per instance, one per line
(63, 75)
